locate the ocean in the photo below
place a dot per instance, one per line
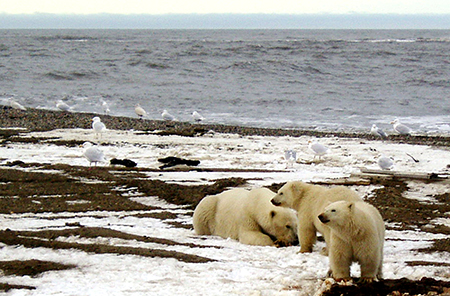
(338, 80)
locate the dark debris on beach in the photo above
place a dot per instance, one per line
(37, 192)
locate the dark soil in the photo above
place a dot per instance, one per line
(31, 267)
(38, 192)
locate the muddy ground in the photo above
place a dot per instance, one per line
(38, 191)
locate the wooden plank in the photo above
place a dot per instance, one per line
(405, 175)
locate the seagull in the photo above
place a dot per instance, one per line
(62, 106)
(167, 116)
(92, 153)
(98, 126)
(291, 157)
(385, 163)
(105, 107)
(140, 111)
(197, 117)
(400, 128)
(376, 131)
(16, 105)
(318, 149)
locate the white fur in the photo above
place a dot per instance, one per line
(309, 201)
(247, 216)
(357, 235)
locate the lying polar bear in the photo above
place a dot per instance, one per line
(247, 216)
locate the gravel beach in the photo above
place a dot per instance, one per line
(43, 120)
(35, 189)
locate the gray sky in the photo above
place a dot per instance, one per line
(229, 6)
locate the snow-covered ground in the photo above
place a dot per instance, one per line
(239, 269)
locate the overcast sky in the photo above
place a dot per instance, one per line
(229, 6)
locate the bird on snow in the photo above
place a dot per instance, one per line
(291, 157)
(93, 154)
(317, 148)
(197, 117)
(140, 111)
(98, 126)
(167, 116)
(385, 163)
(62, 106)
(400, 128)
(16, 105)
(376, 131)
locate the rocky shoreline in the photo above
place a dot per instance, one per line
(44, 120)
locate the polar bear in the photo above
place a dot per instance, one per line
(247, 216)
(309, 201)
(357, 235)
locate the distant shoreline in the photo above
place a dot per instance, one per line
(44, 120)
(226, 21)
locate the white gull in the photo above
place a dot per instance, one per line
(98, 126)
(385, 163)
(197, 117)
(376, 131)
(400, 128)
(93, 154)
(140, 111)
(318, 148)
(62, 106)
(167, 116)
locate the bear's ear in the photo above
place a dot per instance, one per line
(272, 214)
(297, 187)
(350, 206)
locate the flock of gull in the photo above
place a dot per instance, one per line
(95, 155)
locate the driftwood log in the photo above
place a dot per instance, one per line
(386, 174)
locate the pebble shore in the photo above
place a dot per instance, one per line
(44, 120)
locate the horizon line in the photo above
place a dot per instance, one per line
(226, 21)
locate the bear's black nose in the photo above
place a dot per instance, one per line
(275, 203)
(323, 219)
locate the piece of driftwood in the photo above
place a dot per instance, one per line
(125, 162)
(174, 161)
(403, 175)
(352, 181)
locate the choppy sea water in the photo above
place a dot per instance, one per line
(323, 79)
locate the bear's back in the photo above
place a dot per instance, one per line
(229, 211)
(260, 197)
(341, 193)
(371, 216)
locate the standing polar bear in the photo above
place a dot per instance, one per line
(247, 216)
(309, 201)
(357, 234)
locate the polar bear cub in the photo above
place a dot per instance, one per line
(357, 235)
(247, 216)
(309, 201)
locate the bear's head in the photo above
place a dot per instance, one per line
(283, 226)
(289, 194)
(337, 213)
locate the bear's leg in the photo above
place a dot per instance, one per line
(325, 230)
(380, 271)
(370, 268)
(255, 238)
(380, 266)
(307, 237)
(370, 258)
(340, 254)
